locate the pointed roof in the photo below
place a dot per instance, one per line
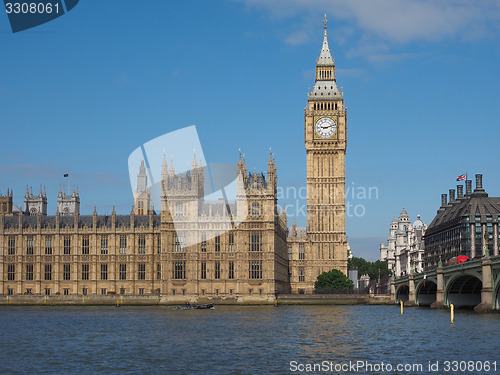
(325, 87)
(194, 164)
(142, 169)
(270, 163)
(164, 164)
(325, 57)
(241, 163)
(172, 169)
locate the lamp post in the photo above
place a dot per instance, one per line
(486, 238)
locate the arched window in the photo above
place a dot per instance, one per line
(179, 209)
(255, 209)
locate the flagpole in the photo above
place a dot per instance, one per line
(66, 175)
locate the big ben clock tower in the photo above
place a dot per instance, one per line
(326, 142)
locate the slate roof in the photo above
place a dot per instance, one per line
(325, 57)
(122, 221)
(218, 209)
(475, 204)
(261, 180)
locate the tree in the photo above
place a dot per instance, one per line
(378, 269)
(372, 269)
(359, 264)
(333, 279)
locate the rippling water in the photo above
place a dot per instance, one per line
(235, 340)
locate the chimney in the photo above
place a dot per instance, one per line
(468, 187)
(452, 195)
(479, 191)
(479, 182)
(460, 191)
(443, 200)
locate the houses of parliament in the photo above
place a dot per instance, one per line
(191, 249)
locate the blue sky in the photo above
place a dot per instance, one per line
(420, 81)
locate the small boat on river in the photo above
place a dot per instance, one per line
(203, 306)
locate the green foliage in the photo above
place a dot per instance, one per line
(378, 269)
(372, 269)
(334, 279)
(358, 264)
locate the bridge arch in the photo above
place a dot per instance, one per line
(402, 293)
(425, 292)
(464, 290)
(496, 296)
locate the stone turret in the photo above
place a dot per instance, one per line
(113, 218)
(6, 206)
(164, 168)
(34, 204)
(271, 174)
(142, 194)
(68, 204)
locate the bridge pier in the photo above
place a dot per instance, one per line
(486, 304)
(411, 287)
(439, 303)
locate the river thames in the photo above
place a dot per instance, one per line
(246, 340)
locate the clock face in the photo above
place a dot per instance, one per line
(325, 127)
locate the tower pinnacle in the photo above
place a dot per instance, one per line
(325, 57)
(325, 86)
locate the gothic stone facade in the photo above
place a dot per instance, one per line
(200, 256)
(322, 246)
(195, 249)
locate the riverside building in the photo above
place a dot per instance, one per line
(464, 225)
(404, 251)
(192, 249)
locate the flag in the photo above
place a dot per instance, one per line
(461, 177)
(66, 175)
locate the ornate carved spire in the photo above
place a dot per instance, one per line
(195, 165)
(325, 57)
(164, 165)
(172, 169)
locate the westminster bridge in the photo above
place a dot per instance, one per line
(474, 283)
